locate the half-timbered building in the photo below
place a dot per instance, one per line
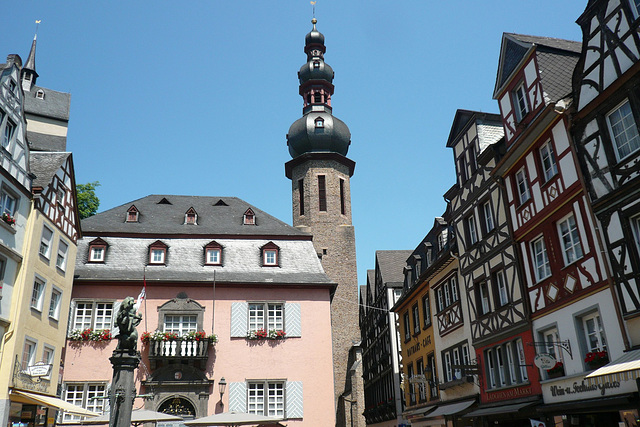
(383, 398)
(605, 131)
(490, 271)
(39, 228)
(564, 269)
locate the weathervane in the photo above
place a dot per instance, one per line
(313, 3)
(38, 21)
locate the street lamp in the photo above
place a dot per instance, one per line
(222, 386)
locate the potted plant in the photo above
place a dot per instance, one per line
(596, 359)
(8, 218)
(556, 371)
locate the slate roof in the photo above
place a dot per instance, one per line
(126, 259)
(216, 216)
(55, 104)
(556, 59)
(44, 142)
(44, 166)
(391, 265)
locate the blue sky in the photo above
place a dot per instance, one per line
(196, 98)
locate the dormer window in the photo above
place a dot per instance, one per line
(132, 214)
(249, 217)
(157, 253)
(39, 93)
(270, 255)
(191, 217)
(213, 254)
(520, 103)
(319, 122)
(97, 250)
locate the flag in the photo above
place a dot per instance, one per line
(535, 423)
(142, 295)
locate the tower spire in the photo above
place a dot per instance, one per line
(29, 74)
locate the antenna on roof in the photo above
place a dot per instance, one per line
(313, 3)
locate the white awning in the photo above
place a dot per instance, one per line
(627, 367)
(451, 408)
(50, 401)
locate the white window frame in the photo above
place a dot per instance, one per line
(471, 228)
(95, 314)
(490, 367)
(214, 256)
(96, 253)
(55, 303)
(37, 293)
(157, 256)
(266, 398)
(266, 315)
(48, 356)
(548, 161)
(483, 288)
(508, 348)
(453, 283)
(407, 326)
(522, 184)
(7, 134)
(448, 371)
(63, 251)
(524, 376)
(87, 395)
(598, 332)
(501, 287)
(45, 242)
(540, 258)
(457, 372)
(629, 130)
(29, 350)
(180, 323)
(487, 209)
(520, 102)
(270, 257)
(501, 366)
(9, 202)
(569, 239)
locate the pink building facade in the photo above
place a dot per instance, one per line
(212, 266)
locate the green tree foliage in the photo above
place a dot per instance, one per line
(88, 202)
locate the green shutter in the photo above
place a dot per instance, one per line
(238, 397)
(294, 399)
(239, 313)
(292, 323)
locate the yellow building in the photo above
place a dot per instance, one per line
(414, 309)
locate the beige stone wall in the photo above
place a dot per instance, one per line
(334, 240)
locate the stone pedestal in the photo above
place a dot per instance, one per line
(123, 391)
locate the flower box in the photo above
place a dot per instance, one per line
(90, 334)
(557, 371)
(596, 359)
(263, 334)
(147, 337)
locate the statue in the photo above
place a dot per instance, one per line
(127, 320)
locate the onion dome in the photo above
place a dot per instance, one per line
(318, 132)
(314, 36)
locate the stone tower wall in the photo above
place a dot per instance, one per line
(334, 241)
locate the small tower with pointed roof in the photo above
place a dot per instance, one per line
(29, 74)
(320, 174)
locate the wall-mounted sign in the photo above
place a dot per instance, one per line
(545, 361)
(418, 379)
(39, 370)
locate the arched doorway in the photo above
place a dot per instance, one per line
(178, 406)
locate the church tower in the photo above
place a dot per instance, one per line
(320, 173)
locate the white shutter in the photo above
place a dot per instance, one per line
(238, 397)
(292, 323)
(72, 312)
(115, 330)
(294, 399)
(239, 319)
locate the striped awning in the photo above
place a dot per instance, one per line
(625, 368)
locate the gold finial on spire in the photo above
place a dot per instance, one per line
(38, 21)
(313, 3)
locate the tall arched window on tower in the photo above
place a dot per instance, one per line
(301, 195)
(342, 204)
(322, 193)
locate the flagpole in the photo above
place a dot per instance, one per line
(144, 286)
(213, 309)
